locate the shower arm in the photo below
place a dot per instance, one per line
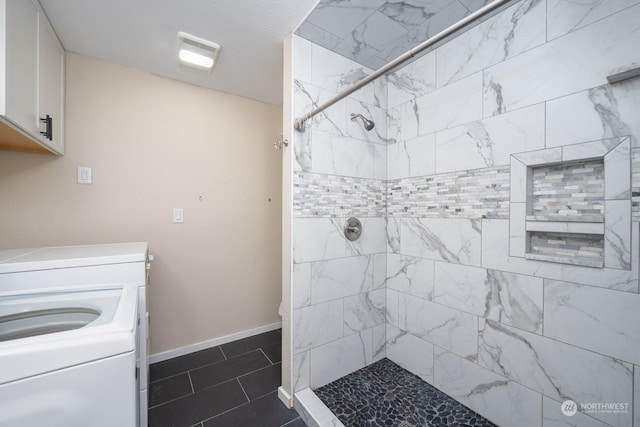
(299, 123)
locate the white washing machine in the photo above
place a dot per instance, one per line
(82, 266)
(68, 357)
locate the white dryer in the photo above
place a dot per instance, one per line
(68, 357)
(83, 266)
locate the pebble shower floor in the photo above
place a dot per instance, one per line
(384, 394)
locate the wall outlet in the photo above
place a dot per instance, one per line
(84, 175)
(178, 215)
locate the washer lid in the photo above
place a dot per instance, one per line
(32, 259)
(112, 332)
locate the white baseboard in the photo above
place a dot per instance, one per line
(285, 397)
(170, 354)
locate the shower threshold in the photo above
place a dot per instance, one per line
(385, 394)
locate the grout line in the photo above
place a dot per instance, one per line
(229, 410)
(256, 370)
(169, 401)
(222, 351)
(191, 382)
(245, 393)
(291, 422)
(265, 355)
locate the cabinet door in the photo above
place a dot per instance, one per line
(22, 64)
(51, 84)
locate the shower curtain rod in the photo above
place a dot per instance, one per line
(299, 123)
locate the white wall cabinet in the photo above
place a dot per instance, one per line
(31, 80)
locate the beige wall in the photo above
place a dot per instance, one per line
(155, 144)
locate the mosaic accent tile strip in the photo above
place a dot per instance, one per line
(474, 194)
(574, 189)
(318, 195)
(479, 193)
(635, 184)
(568, 245)
(384, 394)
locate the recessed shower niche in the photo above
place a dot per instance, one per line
(572, 204)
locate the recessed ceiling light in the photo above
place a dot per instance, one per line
(197, 52)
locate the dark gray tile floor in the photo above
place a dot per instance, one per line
(234, 384)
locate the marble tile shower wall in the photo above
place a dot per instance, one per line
(431, 285)
(509, 337)
(339, 291)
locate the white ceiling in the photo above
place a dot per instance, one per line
(143, 34)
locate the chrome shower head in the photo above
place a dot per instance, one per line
(368, 124)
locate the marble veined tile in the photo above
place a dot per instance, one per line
(493, 396)
(379, 271)
(617, 170)
(300, 368)
(507, 298)
(463, 104)
(601, 320)
(316, 325)
(334, 72)
(379, 350)
(413, 80)
(557, 370)
(595, 149)
(307, 97)
(553, 416)
(302, 151)
(566, 16)
(339, 278)
(301, 284)
(320, 36)
(372, 240)
(474, 5)
(313, 412)
(490, 142)
(517, 229)
(339, 358)
(378, 29)
(512, 31)
(617, 234)
(453, 12)
(393, 304)
(443, 326)
(452, 240)
(410, 275)
(354, 46)
(495, 255)
(576, 62)
(364, 311)
(411, 158)
(412, 13)
(340, 17)
(317, 238)
(355, 128)
(339, 155)
(393, 234)
(301, 59)
(603, 112)
(410, 352)
(402, 122)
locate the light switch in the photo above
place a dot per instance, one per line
(178, 215)
(84, 175)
